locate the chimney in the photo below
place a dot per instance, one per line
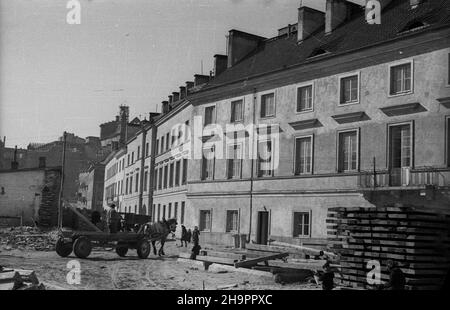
(165, 106)
(170, 99)
(175, 96)
(220, 64)
(124, 115)
(309, 21)
(41, 162)
(289, 29)
(183, 93)
(189, 85)
(200, 79)
(240, 44)
(335, 14)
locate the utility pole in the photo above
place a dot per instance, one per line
(62, 183)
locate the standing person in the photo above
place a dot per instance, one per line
(189, 235)
(195, 238)
(184, 235)
(112, 219)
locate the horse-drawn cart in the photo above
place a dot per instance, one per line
(82, 242)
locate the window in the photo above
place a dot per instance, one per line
(167, 141)
(138, 153)
(160, 182)
(171, 174)
(135, 209)
(131, 185)
(136, 189)
(234, 161)
(145, 180)
(186, 131)
(182, 212)
(159, 211)
(164, 212)
(128, 161)
(303, 155)
(169, 213)
(448, 141)
(157, 147)
(166, 172)
(232, 221)
(401, 79)
(237, 111)
(155, 179)
(210, 115)
(400, 146)
(162, 144)
(268, 105)
(147, 146)
(302, 224)
(126, 187)
(265, 153)
(132, 158)
(348, 151)
(185, 167)
(349, 90)
(175, 211)
(208, 164)
(177, 173)
(174, 136)
(205, 220)
(305, 98)
(153, 213)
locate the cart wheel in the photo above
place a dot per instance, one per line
(63, 249)
(82, 247)
(121, 250)
(143, 248)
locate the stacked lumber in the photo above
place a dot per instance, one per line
(18, 279)
(415, 239)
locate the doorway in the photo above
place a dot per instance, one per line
(262, 234)
(400, 154)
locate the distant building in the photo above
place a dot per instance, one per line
(80, 154)
(90, 190)
(29, 196)
(115, 134)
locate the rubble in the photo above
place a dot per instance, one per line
(18, 279)
(25, 237)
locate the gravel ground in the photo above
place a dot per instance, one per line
(105, 270)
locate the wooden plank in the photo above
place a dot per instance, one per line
(82, 217)
(216, 260)
(253, 262)
(302, 248)
(222, 254)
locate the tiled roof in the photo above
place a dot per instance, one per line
(281, 52)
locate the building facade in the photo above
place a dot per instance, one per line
(333, 112)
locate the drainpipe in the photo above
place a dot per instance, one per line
(151, 173)
(252, 168)
(141, 172)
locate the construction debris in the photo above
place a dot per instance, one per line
(416, 240)
(18, 279)
(27, 238)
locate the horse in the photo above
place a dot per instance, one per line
(159, 231)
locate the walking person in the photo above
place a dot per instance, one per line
(184, 235)
(112, 219)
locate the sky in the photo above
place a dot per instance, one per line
(57, 77)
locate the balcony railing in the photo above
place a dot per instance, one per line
(404, 177)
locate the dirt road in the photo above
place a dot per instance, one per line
(105, 270)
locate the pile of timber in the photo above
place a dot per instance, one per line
(18, 279)
(417, 240)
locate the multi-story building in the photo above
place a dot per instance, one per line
(334, 111)
(358, 113)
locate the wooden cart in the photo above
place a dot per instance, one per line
(82, 242)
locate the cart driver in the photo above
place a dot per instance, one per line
(112, 219)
